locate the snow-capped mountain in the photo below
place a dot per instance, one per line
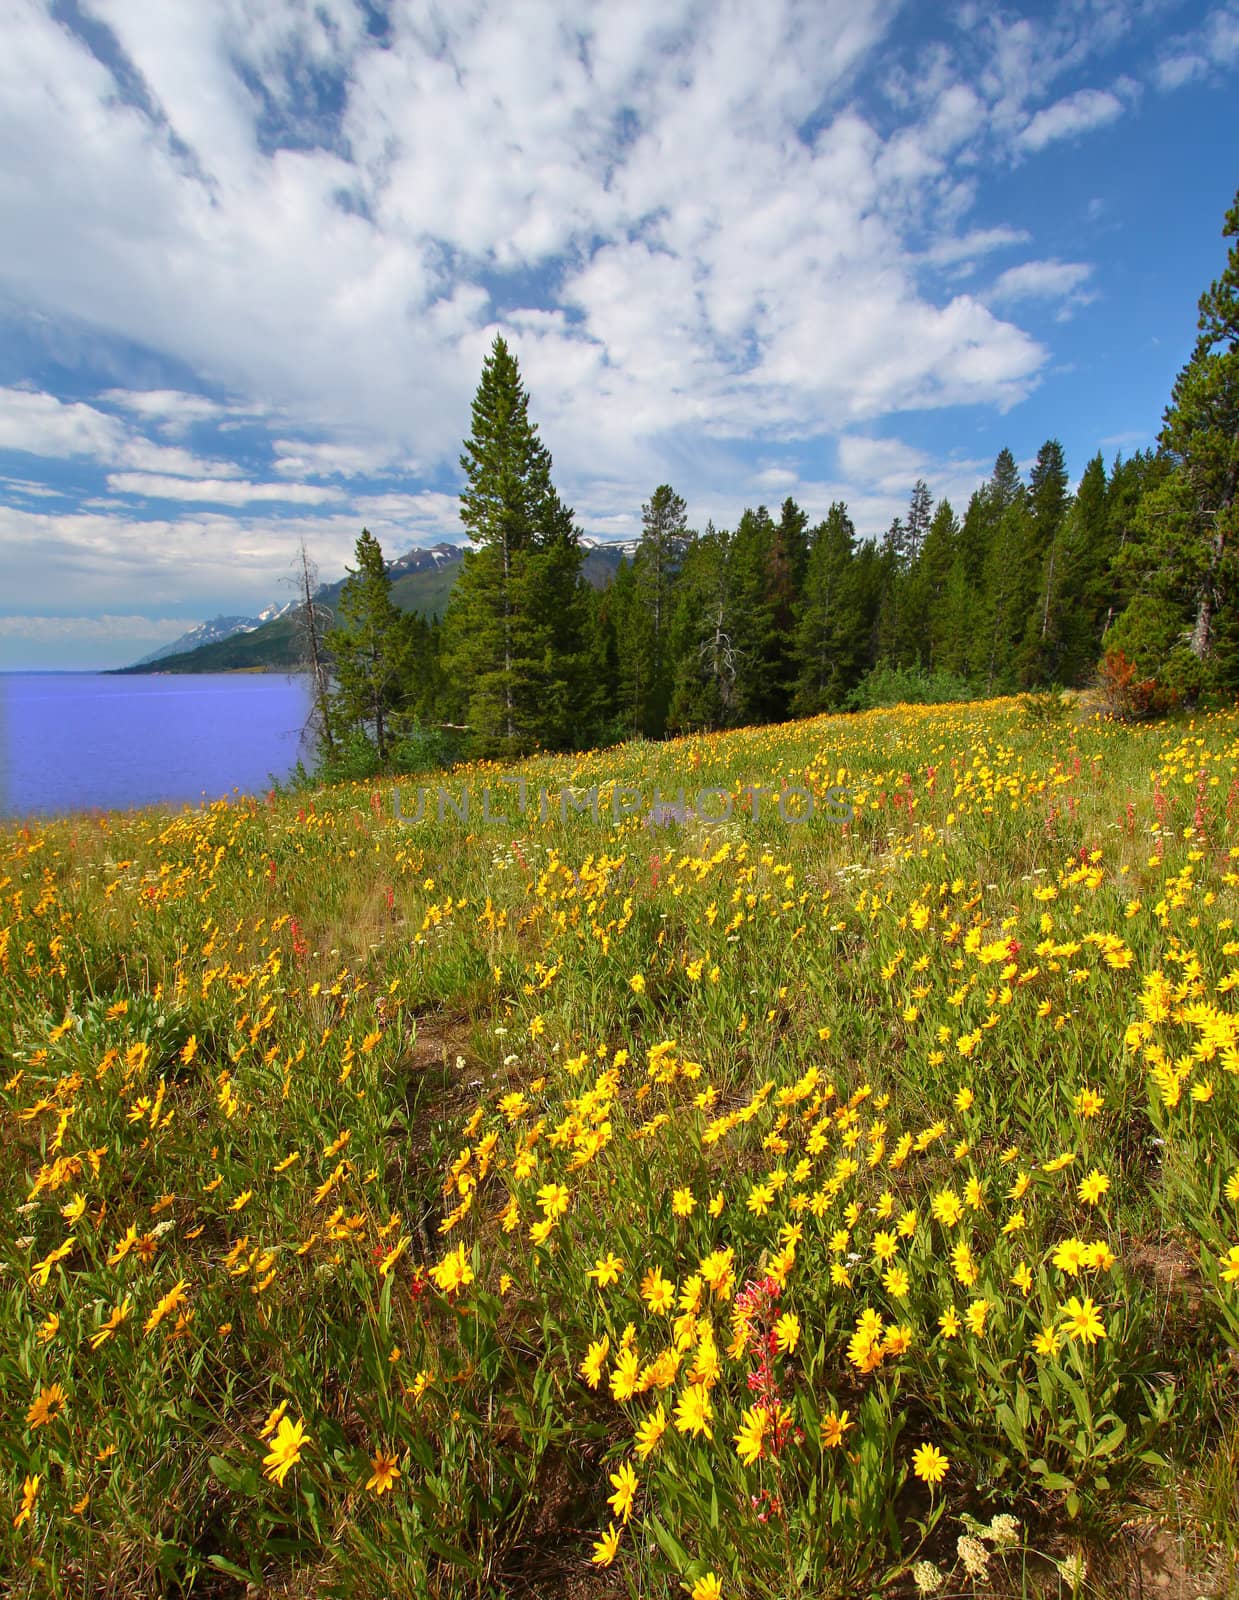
(216, 629)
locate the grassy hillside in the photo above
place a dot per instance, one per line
(642, 1206)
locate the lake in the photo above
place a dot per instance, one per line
(79, 741)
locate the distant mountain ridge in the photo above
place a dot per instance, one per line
(212, 632)
(422, 580)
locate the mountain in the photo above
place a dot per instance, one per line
(422, 580)
(213, 632)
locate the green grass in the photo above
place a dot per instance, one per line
(736, 1056)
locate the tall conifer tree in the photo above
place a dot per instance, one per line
(515, 621)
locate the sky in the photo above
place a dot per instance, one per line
(255, 252)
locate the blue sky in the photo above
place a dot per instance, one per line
(255, 253)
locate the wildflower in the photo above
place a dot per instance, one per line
(623, 1379)
(30, 1493)
(755, 1426)
(1072, 1570)
(454, 1272)
(683, 1202)
(884, 1245)
(384, 1475)
(624, 1482)
(595, 1359)
(834, 1425)
(897, 1283)
(1229, 1264)
(1022, 1278)
(1093, 1187)
(963, 1265)
(694, 1412)
(706, 1588)
(1046, 1342)
(46, 1407)
(605, 1547)
(926, 1577)
(975, 1317)
(929, 1464)
(1068, 1257)
(946, 1207)
(49, 1328)
(637, 983)
(949, 1323)
(553, 1198)
(1083, 1321)
(175, 1297)
(115, 1318)
(787, 1332)
(657, 1293)
(1004, 1529)
(1088, 1103)
(285, 1450)
(973, 1554)
(650, 1432)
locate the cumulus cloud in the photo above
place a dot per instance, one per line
(39, 424)
(1212, 47)
(300, 458)
(1040, 280)
(219, 491)
(649, 161)
(697, 227)
(1065, 119)
(172, 410)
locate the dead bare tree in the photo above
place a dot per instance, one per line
(312, 619)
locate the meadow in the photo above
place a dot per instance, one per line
(748, 1208)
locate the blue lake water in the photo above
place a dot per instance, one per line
(73, 741)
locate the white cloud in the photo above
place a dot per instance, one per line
(776, 479)
(1075, 114)
(888, 464)
(302, 459)
(1212, 46)
(172, 410)
(219, 491)
(701, 255)
(977, 242)
(41, 425)
(1040, 280)
(683, 214)
(94, 630)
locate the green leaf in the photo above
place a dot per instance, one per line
(670, 1546)
(222, 1564)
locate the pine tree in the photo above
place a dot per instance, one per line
(751, 622)
(831, 626)
(1179, 568)
(932, 581)
(369, 646)
(665, 539)
(514, 623)
(704, 696)
(1043, 570)
(792, 538)
(920, 515)
(1201, 434)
